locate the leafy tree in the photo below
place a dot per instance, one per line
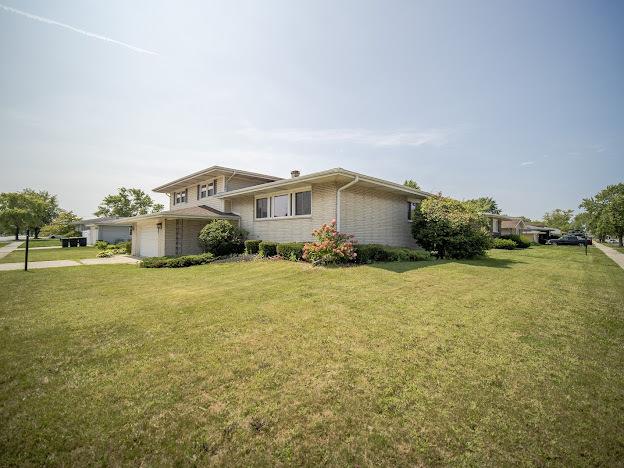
(62, 225)
(560, 219)
(44, 208)
(128, 202)
(581, 222)
(412, 184)
(453, 228)
(606, 212)
(19, 211)
(484, 205)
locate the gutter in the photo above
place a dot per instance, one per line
(338, 193)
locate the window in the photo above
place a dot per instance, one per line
(183, 197)
(411, 207)
(212, 188)
(176, 198)
(303, 203)
(203, 191)
(280, 206)
(262, 208)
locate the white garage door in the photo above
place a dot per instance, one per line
(148, 241)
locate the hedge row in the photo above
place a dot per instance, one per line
(369, 253)
(505, 244)
(176, 262)
(520, 242)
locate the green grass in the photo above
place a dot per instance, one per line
(69, 253)
(513, 360)
(2, 244)
(42, 243)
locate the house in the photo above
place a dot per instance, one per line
(105, 229)
(495, 223)
(540, 234)
(512, 226)
(275, 209)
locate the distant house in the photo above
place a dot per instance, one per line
(495, 222)
(540, 234)
(275, 209)
(104, 229)
(512, 226)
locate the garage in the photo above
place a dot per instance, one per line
(148, 241)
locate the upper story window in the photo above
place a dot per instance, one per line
(203, 191)
(283, 205)
(207, 190)
(180, 197)
(411, 207)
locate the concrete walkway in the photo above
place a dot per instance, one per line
(7, 249)
(613, 254)
(117, 260)
(44, 248)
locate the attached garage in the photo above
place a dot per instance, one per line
(148, 241)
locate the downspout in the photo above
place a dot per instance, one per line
(338, 192)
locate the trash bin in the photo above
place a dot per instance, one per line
(64, 242)
(82, 241)
(73, 242)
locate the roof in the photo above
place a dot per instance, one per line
(497, 216)
(511, 223)
(200, 176)
(102, 220)
(193, 212)
(337, 174)
(539, 228)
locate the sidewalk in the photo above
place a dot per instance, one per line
(118, 260)
(7, 249)
(41, 248)
(613, 254)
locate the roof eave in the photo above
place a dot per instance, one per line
(164, 188)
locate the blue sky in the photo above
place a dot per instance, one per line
(521, 101)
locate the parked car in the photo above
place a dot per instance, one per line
(568, 239)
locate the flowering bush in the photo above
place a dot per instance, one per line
(330, 247)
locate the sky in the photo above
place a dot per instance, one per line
(520, 101)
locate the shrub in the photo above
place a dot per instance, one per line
(506, 244)
(105, 254)
(120, 248)
(176, 262)
(369, 253)
(267, 249)
(252, 246)
(220, 237)
(101, 245)
(452, 228)
(291, 250)
(521, 243)
(331, 246)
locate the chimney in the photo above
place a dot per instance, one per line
(294, 173)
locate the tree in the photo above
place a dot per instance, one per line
(411, 184)
(606, 212)
(44, 208)
(484, 205)
(581, 222)
(558, 218)
(19, 211)
(128, 202)
(62, 225)
(453, 228)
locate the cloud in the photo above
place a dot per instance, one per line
(527, 163)
(79, 31)
(434, 137)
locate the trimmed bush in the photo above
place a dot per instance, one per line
(521, 243)
(176, 262)
(252, 247)
(330, 247)
(267, 249)
(105, 254)
(291, 250)
(220, 237)
(369, 253)
(101, 245)
(506, 244)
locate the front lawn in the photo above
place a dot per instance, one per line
(513, 360)
(42, 243)
(68, 253)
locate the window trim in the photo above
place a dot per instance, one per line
(291, 202)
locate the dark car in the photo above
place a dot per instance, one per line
(568, 239)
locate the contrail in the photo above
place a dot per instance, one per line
(80, 31)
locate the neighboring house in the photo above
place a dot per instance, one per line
(105, 229)
(495, 223)
(540, 234)
(275, 209)
(512, 226)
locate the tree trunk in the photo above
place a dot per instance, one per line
(16, 233)
(37, 232)
(620, 239)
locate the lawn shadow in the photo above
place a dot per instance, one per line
(402, 267)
